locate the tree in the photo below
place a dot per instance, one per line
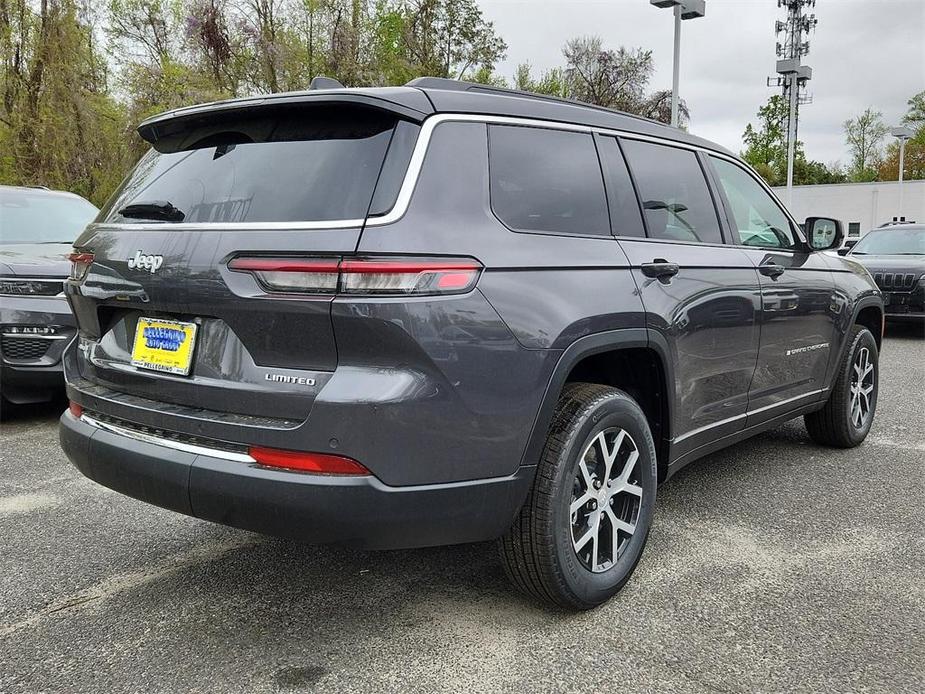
(616, 79)
(915, 116)
(59, 125)
(766, 149)
(914, 159)
(863, 134)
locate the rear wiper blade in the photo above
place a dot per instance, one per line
(153, 209)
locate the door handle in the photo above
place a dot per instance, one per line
(772, 270)
(660, 269)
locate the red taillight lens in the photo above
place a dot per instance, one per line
(80, 263)
(75, 409)
(319, 463)
(383, 277)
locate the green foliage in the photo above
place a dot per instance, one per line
(914, 159)
(59, 125)
(863, 135)
(766, 150)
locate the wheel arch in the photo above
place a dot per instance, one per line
(634, 360)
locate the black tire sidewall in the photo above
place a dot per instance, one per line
(615, 410)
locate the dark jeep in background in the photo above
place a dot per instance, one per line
(37, 228)
(446, 313)
(894, 255)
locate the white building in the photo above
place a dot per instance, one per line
(860, 206)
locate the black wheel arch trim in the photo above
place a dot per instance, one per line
(589, 345)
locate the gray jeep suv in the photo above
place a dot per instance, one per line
(446, 313)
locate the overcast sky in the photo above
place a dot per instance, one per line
(863, 53)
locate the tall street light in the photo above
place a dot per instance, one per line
(902, 134)
(683, 9)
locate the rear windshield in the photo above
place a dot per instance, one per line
(293, 165)
(35, 217)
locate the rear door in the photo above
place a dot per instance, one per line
(798, 305)
(701, 296)
(276, 184)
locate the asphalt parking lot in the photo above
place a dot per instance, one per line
(775, 565)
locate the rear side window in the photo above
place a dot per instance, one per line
(547, 181)
(275, 165)
(675, 198)
(624, 207)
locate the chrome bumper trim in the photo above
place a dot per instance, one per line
(167, 443)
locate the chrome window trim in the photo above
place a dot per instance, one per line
(167, 443)
(403, 200)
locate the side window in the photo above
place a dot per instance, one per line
(546, 181)
(759, 220)
(675, 197)
(625, 217)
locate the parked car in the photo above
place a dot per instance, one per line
(447, 313)
(895, 257)
(37, 228)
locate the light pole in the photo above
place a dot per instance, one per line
(683, 9)
(902, 134)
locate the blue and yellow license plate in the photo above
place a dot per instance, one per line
(164, 345)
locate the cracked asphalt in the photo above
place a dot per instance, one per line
(773, 566)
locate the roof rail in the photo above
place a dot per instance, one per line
(322, 82)
(38, 187)
(463, 86)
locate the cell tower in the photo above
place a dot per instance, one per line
(792, 75)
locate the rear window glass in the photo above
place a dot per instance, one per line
(294, 165)
(547, 181)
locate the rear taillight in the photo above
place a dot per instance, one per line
(369, 276)
(80, 264)
(303, 275)
(75, 409)
(318, 463)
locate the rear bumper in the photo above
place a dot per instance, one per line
(360, 511)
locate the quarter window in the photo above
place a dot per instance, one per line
(547, 181)
(675, 198)
(758, 219)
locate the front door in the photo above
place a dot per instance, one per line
(798, 307)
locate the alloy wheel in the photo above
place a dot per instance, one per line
(606, 499)
(862, 388)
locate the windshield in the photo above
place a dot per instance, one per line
(287, 165)
(33, 216)
(892, 242)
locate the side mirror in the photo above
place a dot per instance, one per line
(824, 233)
(844, 251)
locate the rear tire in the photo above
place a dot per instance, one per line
(848, 414)
(585, 522)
